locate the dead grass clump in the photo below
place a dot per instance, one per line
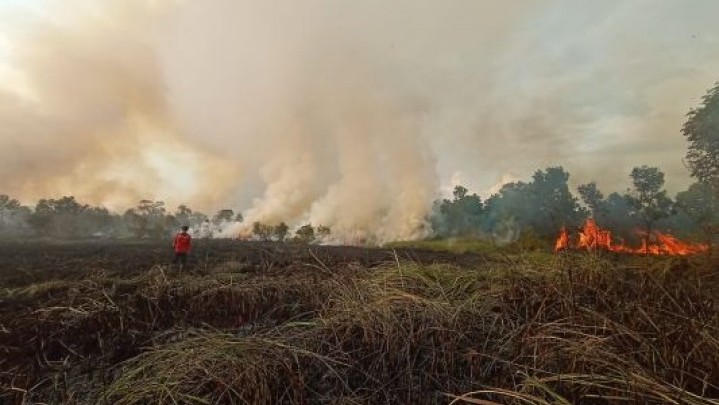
(609, 334)
(214, 367)
(407, 331)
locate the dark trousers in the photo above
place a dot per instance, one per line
(180, 258)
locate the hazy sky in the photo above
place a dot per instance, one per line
(310, 109)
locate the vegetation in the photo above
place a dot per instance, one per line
(537, 209)
(311, 328)
(702, 132)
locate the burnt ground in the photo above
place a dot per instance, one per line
(73, 308)
(24, 263)
(111, 322)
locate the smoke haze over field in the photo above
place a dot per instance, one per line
(351, 114)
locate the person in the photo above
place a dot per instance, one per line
(182, 246)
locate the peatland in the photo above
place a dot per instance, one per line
(266, 323)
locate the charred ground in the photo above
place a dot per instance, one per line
(23, 263)
(291, 323)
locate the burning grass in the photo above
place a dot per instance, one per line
(527, 329)
(592, 237)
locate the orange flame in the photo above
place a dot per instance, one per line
(562, 241)
(592, 237)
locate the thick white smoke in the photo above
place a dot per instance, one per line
(348, 114)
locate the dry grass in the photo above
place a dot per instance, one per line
(527, 329)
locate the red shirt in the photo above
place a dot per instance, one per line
(183, 242)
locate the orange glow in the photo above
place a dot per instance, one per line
(562, 240)
(592, 237)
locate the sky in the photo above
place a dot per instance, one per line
(351, 114)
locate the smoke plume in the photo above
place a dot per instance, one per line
(353, 115)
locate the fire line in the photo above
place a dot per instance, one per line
(592, 237)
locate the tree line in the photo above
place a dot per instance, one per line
(545, 204)
(65, 217)
(539, 207)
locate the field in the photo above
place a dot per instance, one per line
(261, 323)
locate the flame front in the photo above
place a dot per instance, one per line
(592, 237)
(562, 240)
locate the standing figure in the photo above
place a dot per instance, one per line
(182, 246)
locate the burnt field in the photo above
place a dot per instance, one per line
(115, 323)
(23, 263)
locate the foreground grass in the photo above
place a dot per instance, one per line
(453, 245)
(530, 329)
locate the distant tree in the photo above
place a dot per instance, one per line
(617, 215)
(223, 215)
(508, 212)
(591, 196)
(8, 204)
(647, 197)
(461, 216)
(183, 215)
(148, 219)
(280, 231)
(305, 234)
(98, 220)
(555, 205)
(701, 204)
(58, 217)
(239, 217)
(261, 231)
(135, 223)
(539, 208)
(323, 232)
(702, 132)
(65, 217)
(13, 215)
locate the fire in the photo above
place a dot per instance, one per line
(562, 240)
(592, 237)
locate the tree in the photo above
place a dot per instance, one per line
(7, 203)
(616, 214)
(701, 204)
(305, 234)
(323, 232)
(461, 216)
(591, 196)
(556, 206)
(65, 217)
(58, 217)
(508, 212)
(649, 200)
(261, 231)
(135, 223)
(541, 207)
(280, 231)
(148, 219)
(223, 215)
(186, 216)
(702, 132)
(183, 214)
(12, 214)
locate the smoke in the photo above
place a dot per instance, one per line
(92, 119)
(341, 113)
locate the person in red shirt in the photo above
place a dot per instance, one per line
(182, 246)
